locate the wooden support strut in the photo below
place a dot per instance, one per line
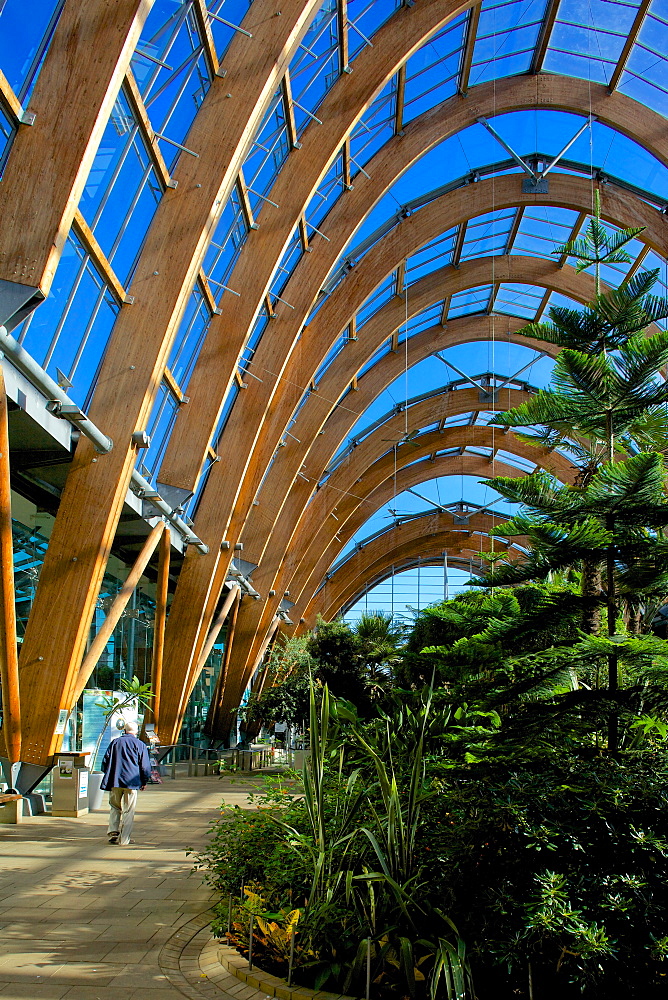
(217, 625)
(115, 612)
(213, 717)
(9, 662)
(135, 357)
(162, 591)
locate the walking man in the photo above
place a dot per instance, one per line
(127, 768)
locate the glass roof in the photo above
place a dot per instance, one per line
(622, 45)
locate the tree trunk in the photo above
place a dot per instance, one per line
(591, 596)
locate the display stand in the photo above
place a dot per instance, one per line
(70, 784)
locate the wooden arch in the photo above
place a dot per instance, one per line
(318, 546)
(205, 576)
(430, 534)
(44, 176)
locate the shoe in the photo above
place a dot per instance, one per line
(113, 838)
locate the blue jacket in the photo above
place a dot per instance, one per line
(126, 763)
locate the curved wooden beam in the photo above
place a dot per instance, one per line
(432, 533)
(49, 162)
(198, 576)
(318, 542)
(337, 312)
(135, 357)
(426, 534)
(342, 107)
(211, 378)
(221, 492)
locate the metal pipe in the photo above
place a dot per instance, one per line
(9, 662)
(39, 378)
(189, 537)
(62, 406)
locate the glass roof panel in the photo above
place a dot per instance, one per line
(374, 128)
(541, 228)
(518, 300)
(487, 234)
(378, 299)
(432, 73)
(30, 27)
(365, 17)
(316, 65)
(644, 77)
(431, 257)
(423, 321)
(232, 11)
(471, 300)
(506, 38)
(588, 38)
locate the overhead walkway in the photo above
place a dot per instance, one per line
(82, 920)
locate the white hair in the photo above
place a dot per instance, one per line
(131, 727)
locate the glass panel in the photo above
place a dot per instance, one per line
(588, 38)
(541, 229)
(432, 73)
(233, 11)
(71, 328)
(644, 78)
(316, 65)
(267, 154)
(487, 234)
(160, 426)
(472, 300)
(122, 191)
(174, 91)
(30, 27)
(223, 251)
(378, 299)
(189, 339)
(374, 128)
(423, 321)
(365, 17)
(328, 192)
(518, 300)
(291, 257)
(506, 38)
(432, 256)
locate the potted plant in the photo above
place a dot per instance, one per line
(132, 693)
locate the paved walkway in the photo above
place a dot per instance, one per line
(82, 920)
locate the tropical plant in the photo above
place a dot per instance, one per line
(607, 390)
(134, 693)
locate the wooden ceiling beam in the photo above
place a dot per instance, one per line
(193, 430)
(384, 475)
(49, 162)
(139, 346)
(631, 39)
(469, 46)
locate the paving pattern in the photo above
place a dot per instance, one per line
(83, 920)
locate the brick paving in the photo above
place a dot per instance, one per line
(83, 920)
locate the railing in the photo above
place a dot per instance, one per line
(201, 760)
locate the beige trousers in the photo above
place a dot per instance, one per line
(122, 804)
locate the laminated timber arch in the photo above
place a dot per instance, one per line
(426, 535)
(45, 175)
(135, 358)
(221, 132)
(205, 577)
(357, 499)
(382, 480)
(193, 430)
